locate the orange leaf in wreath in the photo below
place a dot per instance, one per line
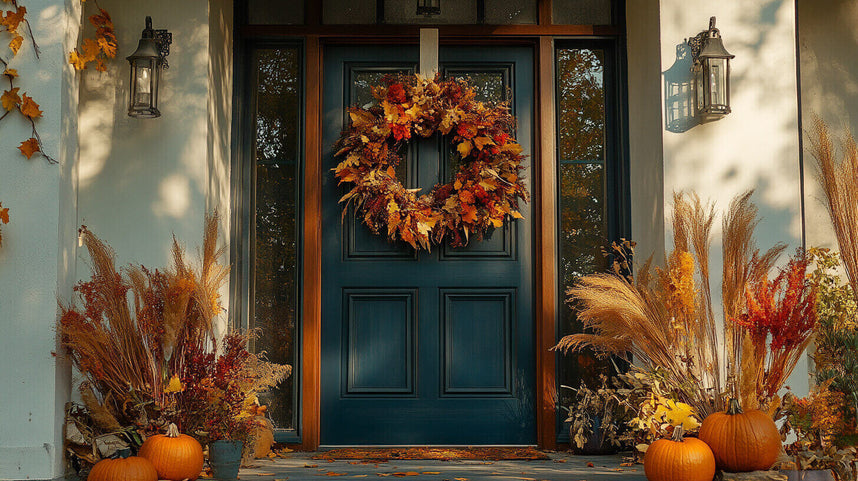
(469, 213)
(464, 148)
(30, 108)
(29, 147)
(482, 142)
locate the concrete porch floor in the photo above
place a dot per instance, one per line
(299, 466)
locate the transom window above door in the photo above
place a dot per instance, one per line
(452, 12)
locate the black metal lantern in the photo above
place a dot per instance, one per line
(146, 64)
(711, 69)
(428, 8)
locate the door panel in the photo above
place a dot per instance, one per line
(417, 347)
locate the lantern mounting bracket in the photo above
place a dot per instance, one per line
(164, 39)
(697, 42)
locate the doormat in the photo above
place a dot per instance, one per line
(442, 454)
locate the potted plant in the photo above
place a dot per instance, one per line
(820, 452)
(598, 417)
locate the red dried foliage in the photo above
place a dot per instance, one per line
(780, 316)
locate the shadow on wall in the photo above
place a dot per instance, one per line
(679, 92)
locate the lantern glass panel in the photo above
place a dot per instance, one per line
(718, 80)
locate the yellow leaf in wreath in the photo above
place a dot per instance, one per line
(457, 184)
(423, 228)
(391, 114)
(364, 139)
(497, 222)
(512, 147)
(516, 214)
(414, 112)
(488, 186)
(361, 118)
(464, 148)
(391, 172)
(482, 142)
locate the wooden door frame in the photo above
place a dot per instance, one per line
(315, 36)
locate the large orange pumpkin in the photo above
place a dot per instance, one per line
(688, 459)
(175, 456)
(741, 441)
(132, 468)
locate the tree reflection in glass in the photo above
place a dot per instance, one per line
(275, 290)
(583, 229)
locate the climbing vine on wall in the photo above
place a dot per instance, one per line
(99, 49)
(13, 21)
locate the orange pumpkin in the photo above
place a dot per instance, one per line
(132, 468)
(688, 459)
(175, 456)
(741, 441)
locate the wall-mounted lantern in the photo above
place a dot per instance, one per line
(146, 64)
(711, 68)
(428, 8)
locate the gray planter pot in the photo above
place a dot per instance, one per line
(225, 459)
(810, 475)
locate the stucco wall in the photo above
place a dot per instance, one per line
(757, 145)
(35, 257)
(143, 180)
(829, 88)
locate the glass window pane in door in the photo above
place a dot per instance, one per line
(463, 12)
(507, 12)
(582, 201)
(276, 261)
(582, 12)
(275, 12)
(342, 12)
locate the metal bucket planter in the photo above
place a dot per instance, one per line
(809, 475)
(225, 459)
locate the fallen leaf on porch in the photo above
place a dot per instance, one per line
(360, 475)
(461, 479)
(408, 473)
(332, 473)
(265, 474)
(311, 465)
(431, 472)
(627, 464)
(617, 469)
(589, 465)
(559, 460)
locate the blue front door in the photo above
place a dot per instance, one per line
(425, 348)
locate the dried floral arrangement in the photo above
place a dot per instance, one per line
(144, 342)
(664, 317)
(485, 190)
(602, 410)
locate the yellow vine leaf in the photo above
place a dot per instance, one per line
(30, 108)
(4, 214)
(10, 99)
(10, 72)
(13, 19)
(16, 43)
(77, 60)
(29, 147)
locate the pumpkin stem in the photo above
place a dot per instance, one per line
(734, 408)
(172, 431)
(678, 432)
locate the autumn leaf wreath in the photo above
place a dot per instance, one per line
(485, 189)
